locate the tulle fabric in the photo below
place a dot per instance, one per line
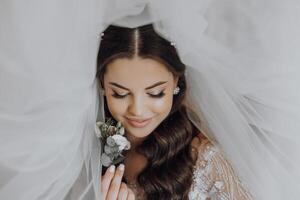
(48, 99)
(242, 76)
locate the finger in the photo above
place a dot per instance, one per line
(115, 183)
(106, 180)
(123, 192)
(130, 195)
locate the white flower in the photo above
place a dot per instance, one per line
(110, 150)
(110, 141)
(122, 142)
(106, 160)
(107, 149)
(97, 131)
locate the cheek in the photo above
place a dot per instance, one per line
(158, 107)
(116, 107)
(163, 106)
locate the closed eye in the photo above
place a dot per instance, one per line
(119, 96)
(159, 95)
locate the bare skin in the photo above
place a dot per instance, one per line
(148, 94)
(112, 187)
(136, 89)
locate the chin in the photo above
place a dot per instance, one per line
(138, 135)
(139, 132)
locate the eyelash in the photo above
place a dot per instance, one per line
(159, 95)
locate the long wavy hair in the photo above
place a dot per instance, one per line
(168, 150)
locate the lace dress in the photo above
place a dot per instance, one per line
(214, 178)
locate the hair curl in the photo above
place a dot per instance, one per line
(169, 171)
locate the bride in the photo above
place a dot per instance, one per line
(223, 123)
(144, 83)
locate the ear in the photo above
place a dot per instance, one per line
(176, 78)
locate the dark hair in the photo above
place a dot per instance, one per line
(169, 171)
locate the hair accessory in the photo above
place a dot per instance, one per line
(100, 35)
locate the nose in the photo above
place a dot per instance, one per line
(137, 107)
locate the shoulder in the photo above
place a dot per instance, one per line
(210, 158)
(203, 180)
(204, 148)
(213, 174)
(207, 155)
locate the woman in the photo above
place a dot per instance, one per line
(144, 84)
(48, 92)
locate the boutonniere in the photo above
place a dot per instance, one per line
(113, 142)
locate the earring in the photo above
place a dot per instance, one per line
(176, 90)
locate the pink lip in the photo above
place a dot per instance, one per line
(138, 123)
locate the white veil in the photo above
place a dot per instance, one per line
(242, 75)
(48, 99)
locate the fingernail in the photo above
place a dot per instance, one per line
(121, 167)
(112, 168)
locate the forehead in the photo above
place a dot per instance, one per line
(137, 71)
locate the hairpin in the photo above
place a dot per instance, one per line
(100, 35)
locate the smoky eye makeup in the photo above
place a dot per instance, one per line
(152, 95)
(159, 95)
(118, 96)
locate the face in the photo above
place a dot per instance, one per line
(139, 94)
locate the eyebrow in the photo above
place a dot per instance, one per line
(147, 88)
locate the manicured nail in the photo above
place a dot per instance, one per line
(112, 168)
(121, 167)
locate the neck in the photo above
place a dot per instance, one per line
(134, 141)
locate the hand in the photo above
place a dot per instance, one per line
(112, 187)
